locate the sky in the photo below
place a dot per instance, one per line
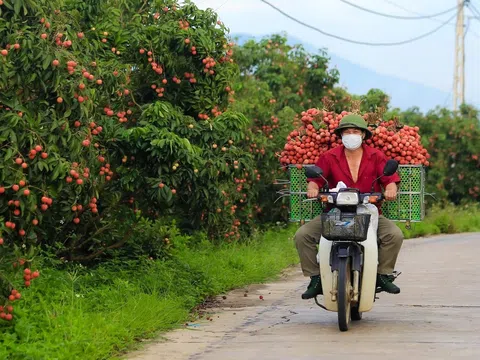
(429, 61)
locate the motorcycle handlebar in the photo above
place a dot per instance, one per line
(331, 197)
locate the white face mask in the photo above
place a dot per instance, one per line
(352, 141)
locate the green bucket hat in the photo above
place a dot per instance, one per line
(353, 121)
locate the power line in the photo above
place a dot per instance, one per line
(221, 5)
(467, 27)
(355, 41)
(473, 32)
(474, 10)
(476, 14)
(403, 8)
(398, 16)
(472, 5)
(414, 12)
(459, 68)
(432, 19)
(475, 79)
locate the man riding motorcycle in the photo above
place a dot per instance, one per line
(357, 165)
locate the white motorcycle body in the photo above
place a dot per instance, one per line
(368, 269)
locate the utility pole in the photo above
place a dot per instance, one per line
(459, 72)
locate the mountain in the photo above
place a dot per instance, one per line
(358, 79)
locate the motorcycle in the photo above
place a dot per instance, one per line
(348, 249)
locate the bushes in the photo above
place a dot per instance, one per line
(439, 220)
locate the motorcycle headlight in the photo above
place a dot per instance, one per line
(347, 198)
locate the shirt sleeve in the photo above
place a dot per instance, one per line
(385, 180)
(323, 164)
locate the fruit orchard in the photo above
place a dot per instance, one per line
(114, 116)
(125, 123)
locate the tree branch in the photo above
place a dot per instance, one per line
(143, 6)
(101, 251)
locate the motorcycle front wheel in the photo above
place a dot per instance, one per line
(344, 295)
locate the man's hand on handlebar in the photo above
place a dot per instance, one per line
(312, 190)
(390, 191)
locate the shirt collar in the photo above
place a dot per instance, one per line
(340, 150)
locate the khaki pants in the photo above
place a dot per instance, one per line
(390, 239)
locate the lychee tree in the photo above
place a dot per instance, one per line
(453, 142)
(295, 77)
(183, 152)
(277, 81)
(111, 112)
(54, 134)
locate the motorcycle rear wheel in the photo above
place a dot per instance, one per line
(344, 295)
(356, 315)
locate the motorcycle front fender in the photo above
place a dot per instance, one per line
(368, 272)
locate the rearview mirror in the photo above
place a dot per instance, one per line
(313, 172)
(390, 167)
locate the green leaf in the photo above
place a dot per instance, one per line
(47, 60)
(57, 171)
(8, 155)
(17, 6)
(67, 113)
(13, 137)
(168, 194)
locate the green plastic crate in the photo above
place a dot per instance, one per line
(409, 205)
(299, 210)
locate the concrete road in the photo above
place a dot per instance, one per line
(436, 316)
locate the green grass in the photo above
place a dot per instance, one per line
(99, 313)
(449, 220)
